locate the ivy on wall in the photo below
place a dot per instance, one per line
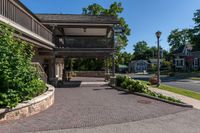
(19, 80)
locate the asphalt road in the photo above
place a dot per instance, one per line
(179, 82)
(185, 83)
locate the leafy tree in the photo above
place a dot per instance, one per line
(114, 10)
(91, 64)
(179, 37)
(19, 80)
(124, 58)
(140, 49)
(196, 31)
(143, 52)
(153, 52)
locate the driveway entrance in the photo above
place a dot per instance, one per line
(90, 107)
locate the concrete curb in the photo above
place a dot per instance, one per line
(155, 98)
(31, 107)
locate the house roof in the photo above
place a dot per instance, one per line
(77, 18)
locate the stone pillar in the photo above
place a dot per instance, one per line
(61, 71)
(113, 64)
(113, 78)
(54, 67)
(59, 68)
(53, 79)
(64, 72)
(107, 74)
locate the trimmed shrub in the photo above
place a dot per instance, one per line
(131, 84)
(19, 80)
(119, 80)
(137, 86)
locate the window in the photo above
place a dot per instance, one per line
(196, 62)
(179, 62)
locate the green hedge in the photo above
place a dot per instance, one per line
(19, 80)
(132, 85)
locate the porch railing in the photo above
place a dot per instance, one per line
(83, 42)
(15, 11)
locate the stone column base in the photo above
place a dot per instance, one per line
(54, 81)
(107, 76)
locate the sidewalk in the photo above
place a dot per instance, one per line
(195, 103)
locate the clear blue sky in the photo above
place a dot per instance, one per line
(145, 17)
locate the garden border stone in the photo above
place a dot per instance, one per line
(151, 97)
(30, 107)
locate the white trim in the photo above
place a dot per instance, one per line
(24, 30)
(179, 66)
(196, 60)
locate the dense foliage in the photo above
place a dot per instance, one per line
(132, 85)
(142, 51)
(181, 37)
(196, 31)
(19, 80)
(90, 64)
(124, 58)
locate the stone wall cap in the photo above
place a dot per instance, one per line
(35, 100)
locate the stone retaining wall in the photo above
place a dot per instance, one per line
(29, 108)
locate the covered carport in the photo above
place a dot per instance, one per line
(80, 36)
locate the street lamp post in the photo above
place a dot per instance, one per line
(117, 30)
(158, 34)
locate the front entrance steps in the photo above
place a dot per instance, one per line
(83, 82)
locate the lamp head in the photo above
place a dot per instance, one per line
(158, 34)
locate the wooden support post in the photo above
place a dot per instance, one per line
(113, 64)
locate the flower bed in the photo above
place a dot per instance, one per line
(131, 85)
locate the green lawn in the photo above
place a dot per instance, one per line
(181, 91)
(195, 78)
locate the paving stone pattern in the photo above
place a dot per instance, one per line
(90, 107)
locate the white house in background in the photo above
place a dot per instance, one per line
(185, 59)
(138, 66)
(142, 65)
(154, 62)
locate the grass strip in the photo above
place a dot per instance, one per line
(181, 91)
(177, 90)
(195, 78)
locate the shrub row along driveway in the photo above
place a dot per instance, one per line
(91, 107)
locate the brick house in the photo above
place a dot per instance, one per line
(186, 59)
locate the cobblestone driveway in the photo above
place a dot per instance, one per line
(90, 107)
